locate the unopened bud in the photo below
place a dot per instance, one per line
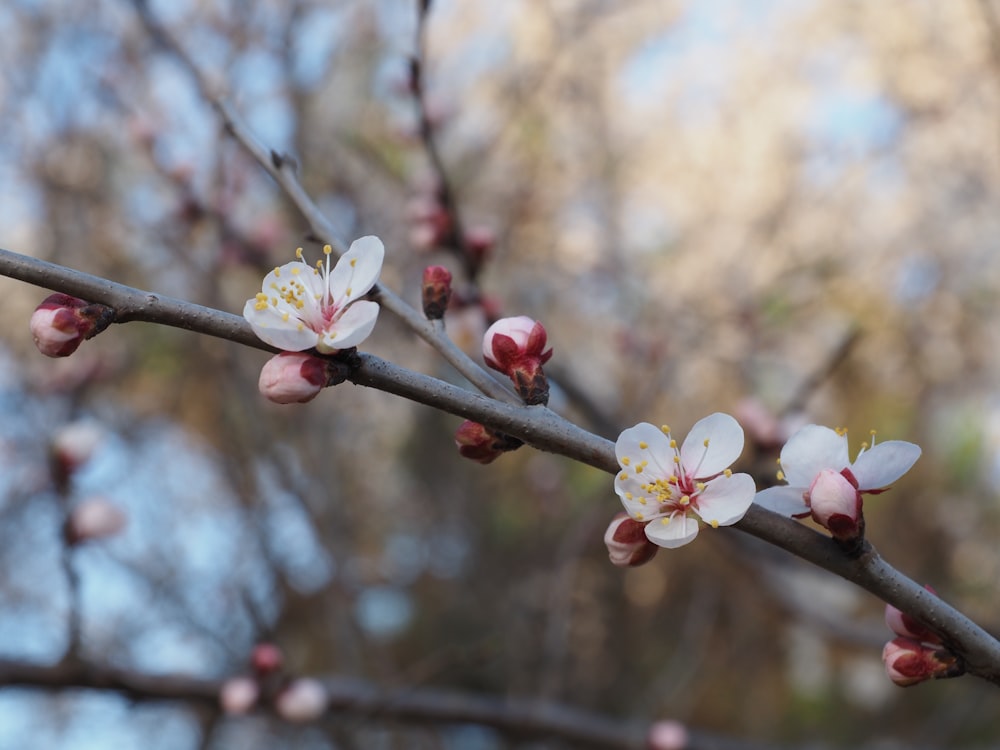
(94, 518)
(266, 659)
(667, 735)
(297, 377)
(835, 504)
(436, 291)
(482, 444)
(908, 662)
(904, 625)
(516, 347)
(61, 323)
(303, 700)
(627, 543)
(238, 695)
(74, 444)
(479, 242)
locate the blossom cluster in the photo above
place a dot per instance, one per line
(665, 487)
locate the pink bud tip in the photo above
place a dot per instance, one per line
(902, 624)
(61, 323)
(668, 735)
(266, 658)
(292, 378)
(516, 347)
(436, 291)
(628, 546)
(304, 699)
(94, 518)
(238, 695)
(74, 444)
(481, 444)
(835, 504)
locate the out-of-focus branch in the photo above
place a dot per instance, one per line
(544, 429)
(283, 170)
(455, 236)
(360, 699)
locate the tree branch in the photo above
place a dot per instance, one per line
(543, 429)
(282, 169)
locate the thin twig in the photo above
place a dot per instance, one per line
(282, 169)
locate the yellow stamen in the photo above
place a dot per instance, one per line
(626, 460)
(781, 476)
(714, 524)
(705, 443)
(643, 444)
(728, 473)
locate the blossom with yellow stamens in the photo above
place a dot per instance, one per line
(301, 306)
(665, 487)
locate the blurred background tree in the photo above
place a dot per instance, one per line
(785, 210)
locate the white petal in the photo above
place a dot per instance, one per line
(271, 328)
(657, 452)
(784, 500)
(637, 502)
(725, 443)
(884, 464)
(809, 451)
(351, 328)
(676, 533)
(357, 270)
(726, 500)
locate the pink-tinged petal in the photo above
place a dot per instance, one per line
(809, 451)
(884, 464)
(357, 270)
(351, 328)
(784, 500)
(270, 326)
(725, 444)
(630, 452)
(725, 500)
(673, 533)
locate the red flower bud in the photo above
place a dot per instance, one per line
(266, 659)
(516, 347)
(61, 323)
(627, 543)
(436, 291)
(481, 444)
(908, 662)
(902, 624)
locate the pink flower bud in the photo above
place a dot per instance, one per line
(266, 659)
(835, 504)
(667, 735)
(61, 323)
(908, 662)
(479, 242)
(436, 291)
(297, 377)
(481, 444)
(238, 695)
(516, 347)
(94, 518)
(627, 543)
(74, 444)
(902, 624)
(304, 699)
